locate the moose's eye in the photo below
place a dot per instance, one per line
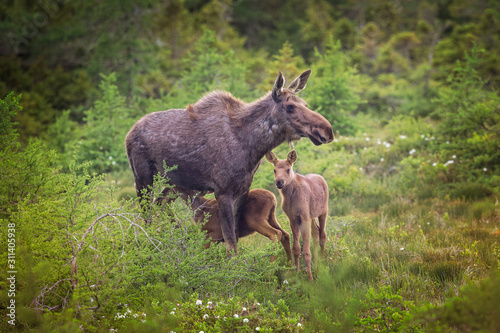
(289, 108)
(274, 171)
(288, 171)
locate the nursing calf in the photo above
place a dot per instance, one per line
(303, 199)
(257, 215)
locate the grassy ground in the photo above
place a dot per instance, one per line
(395, 247)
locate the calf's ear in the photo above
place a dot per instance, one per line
(292, 157)
(271, 158)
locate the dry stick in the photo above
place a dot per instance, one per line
(44, 291)
(81, 243)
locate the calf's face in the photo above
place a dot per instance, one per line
(283, 169)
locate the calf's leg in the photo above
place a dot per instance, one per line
(285, 236)
(322, 231)
(305, 230)
(295, 225)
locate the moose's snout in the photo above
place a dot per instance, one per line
(280, 184)
(327, 135)
(321, 135)
(331, 136)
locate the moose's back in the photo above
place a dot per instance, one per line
(202, 147)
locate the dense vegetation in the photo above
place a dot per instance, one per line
(411, 89)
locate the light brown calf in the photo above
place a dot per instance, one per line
(303, 198)
(258, 215)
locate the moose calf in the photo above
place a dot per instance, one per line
(303, 198)
(258, 215)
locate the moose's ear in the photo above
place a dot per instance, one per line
(300, 82)
(278, 87)
(292, 157)
(271, 158)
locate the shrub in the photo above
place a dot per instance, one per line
(332, 92)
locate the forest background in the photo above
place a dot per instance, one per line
(410, 87)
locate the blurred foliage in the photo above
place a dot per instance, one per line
(54, 52)
(335, 88)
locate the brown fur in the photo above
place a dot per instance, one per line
(303, 199)
(217, 143)
(257, 215)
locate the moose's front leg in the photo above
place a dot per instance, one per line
(227, 221)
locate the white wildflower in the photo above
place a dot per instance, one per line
(299, 325)
(257, 328)
(236, 316)
(411, 152)
(244, 309)
(382, 159)
(454, 156)
(110, 158)
(434, 164)
(367, 139)
(401, 249)
(285, 282)
(485, 169)
(172, 313)
(403, 137)
(449, 162)
(199, 302)
(378, 141)
(245, 320)
(205, 316)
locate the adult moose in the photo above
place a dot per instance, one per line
(218, 142)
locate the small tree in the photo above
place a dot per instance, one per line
(333, 91)
(101, 137)
(470, 114)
